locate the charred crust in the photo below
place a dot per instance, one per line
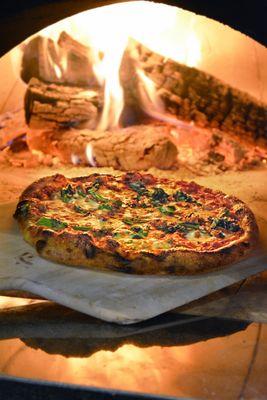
(171, 269)
(121, 268)
(39, 189)
(85, 179)
(89, 251)
(40, 245)
(98, 247)
(146, 179)
(226, 250)
(157, 257)
(22, 210)
(46, 233)
(112, 244)
(122, 259)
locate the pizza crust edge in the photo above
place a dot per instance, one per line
(78, 250)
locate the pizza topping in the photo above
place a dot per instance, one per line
(225, 224)
(138, 186)
(179, 195)
(141, 213)
(139, 233)
(52, 223)
(96, 196)
(81, 228)
(182, 227)
(107, 207)
(67, 194)
(167, 210)
(159, 196)
(23, 209)
(80, 210)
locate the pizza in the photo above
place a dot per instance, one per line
(135, 223)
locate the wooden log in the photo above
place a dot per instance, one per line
(66, 61)
(188, 93)
(49, 104)
(194, 95)
(134, 148)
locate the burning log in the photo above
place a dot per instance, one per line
(187, 93)
(51, 103)
(68, 61)
(194, 95)
(134, 148)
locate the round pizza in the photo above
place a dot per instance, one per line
(135, 223)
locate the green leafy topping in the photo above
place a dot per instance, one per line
(80, 191)
(80, 210)
(52, 223)
(67, 193)
(128, 221)
(225, 224)
(133, 220)
(181, 196)
(187, 226)
(97, 183)
(96, 196)
(144, 205)
(138, 187)
(117, 203)
(159, 196)
(167, 210)
(139, 233)
(81, 228)
(183, 227)
(105, 207)
(226, 213)
(117, 235)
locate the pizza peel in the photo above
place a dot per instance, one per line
(110, 296)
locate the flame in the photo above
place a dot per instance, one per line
(106, 30)
(75, 159)
(90, 155)
(152, 104)
(108, 72)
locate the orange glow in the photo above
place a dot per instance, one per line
(6, 302)
(107, 30)
(129, 367)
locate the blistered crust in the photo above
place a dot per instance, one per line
(81, 249)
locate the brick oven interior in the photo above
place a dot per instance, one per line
(210, 125)
(206, 120)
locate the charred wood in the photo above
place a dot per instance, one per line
(194, 95)
(134, 148)
(187, 93)
(60, 104)
(66, 61)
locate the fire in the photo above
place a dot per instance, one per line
(107, 72)
(106, 32)
(90, 155)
